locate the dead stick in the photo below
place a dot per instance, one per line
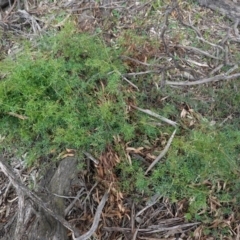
(163, 153)
(96, 220)
(149, 112)
(205, 80)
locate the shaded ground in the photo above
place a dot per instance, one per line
(166, 53)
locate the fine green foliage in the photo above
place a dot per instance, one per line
(197, 166)
(70, 93)
(204, 155)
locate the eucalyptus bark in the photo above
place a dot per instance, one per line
(32, 221)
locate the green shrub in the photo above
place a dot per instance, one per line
(205, 155)
(196, 165)
(70, 91)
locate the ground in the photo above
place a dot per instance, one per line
(141, 141)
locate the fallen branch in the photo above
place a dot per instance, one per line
(163, 153)
(178, 228)
(205, 80)
(174, 124)
(197, 50)
(153, 200)
(142, 73)
(161, 67)
(66, 211)
(88, 155)
(17, 115)
(96, 220)
(31, 19)
(132, 84)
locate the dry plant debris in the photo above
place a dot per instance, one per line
(171, 59)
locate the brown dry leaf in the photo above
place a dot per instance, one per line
(100, 172)
(226, 223)
(118, 194)
(184, 113)
(163, 142)
(215, 201)
(216, 223)
(224, 185)
(117, 139)
(202, 212)
(238, 232)
(117, 159)
(129, 159)
(150, 156)
(52, 151)
(102, 85)
(198, 233)
(114, 191)
(192, 122)
(174, 14)
(134, 150)
(68, 155)
(181, 207)
(207, 183)
(121, 208)
(69, 150)
(220, 186)
(214, 204)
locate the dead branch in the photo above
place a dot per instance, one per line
(66, 211)
(174, 228)
(163, 153)
(205, 80)
(141, 73)
(149, 112)
(129, 82)
(197, 50)
(31, 19)
(153, 201)
(88, 155)
(178, 228)
(96, 220)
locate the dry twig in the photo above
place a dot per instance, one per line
(96, 220)
(205, 80)
(163, 153)
(149, 112)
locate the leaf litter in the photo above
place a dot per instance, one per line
(122, 217)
